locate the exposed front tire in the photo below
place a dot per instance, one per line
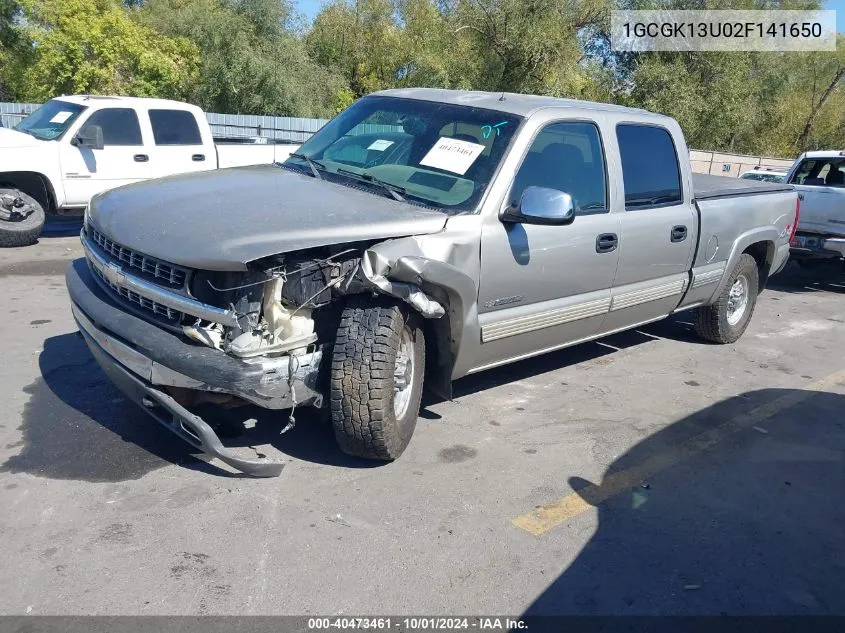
(725, 320)
(21, 218)
(378, 365)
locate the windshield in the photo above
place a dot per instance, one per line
(437, 154)
(51, 120)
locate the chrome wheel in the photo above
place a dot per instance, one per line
(737, 300)
(403, 373)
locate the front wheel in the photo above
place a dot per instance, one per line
(378, 365)
(725, 320)
(21, 218)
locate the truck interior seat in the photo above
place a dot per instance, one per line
(835, 177)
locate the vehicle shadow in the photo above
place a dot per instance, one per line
(57, 226)
(77, 425)
(676, 328)
(725, 512)
(794, 279)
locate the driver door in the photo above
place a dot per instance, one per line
(544, 287)
(122, 160)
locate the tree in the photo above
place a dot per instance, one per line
(529, 45)
(10, 44)
(91, 46)
(252, 59)
(360, 40)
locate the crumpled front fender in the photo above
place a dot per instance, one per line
(436, 289)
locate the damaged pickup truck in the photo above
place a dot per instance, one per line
(420, 236)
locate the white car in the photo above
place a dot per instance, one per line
(819, 178)
(74, 147)
(764, 175)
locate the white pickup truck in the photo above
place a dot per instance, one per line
(74, 147)
(819, 178)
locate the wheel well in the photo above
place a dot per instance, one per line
(764, 254)
(439, 356)
(31, 183)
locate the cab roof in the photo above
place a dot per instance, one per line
(103, 100)
(826, 153)
(513, 103)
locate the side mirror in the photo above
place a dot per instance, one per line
(541, 205)
(90, 136)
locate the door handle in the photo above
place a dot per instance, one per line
(679, 233)
(141, 158)
(606, 242)
(198, 158)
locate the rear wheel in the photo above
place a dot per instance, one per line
(378, 364)
(725, 320)
(21, 218)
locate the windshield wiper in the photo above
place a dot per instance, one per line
(396, 192)
(312, 164)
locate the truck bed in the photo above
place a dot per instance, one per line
(706, 186)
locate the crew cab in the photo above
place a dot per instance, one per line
(74, 147)
(420, 236)
(819, 178)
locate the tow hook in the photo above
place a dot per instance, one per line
(13, 208)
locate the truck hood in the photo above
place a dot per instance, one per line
(13, 138)
(221, 220)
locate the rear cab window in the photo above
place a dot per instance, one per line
(175, 127)
(651, 173)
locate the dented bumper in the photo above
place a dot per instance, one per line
(144, 360)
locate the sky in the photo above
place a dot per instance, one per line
(836, 5)
(310, 8)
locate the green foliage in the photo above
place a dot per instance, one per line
(92, 46)
(256, 57)
(252, 60)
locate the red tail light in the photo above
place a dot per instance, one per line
(795, 222)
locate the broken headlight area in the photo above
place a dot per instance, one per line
(283, 304)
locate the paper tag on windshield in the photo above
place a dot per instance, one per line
(61, 117)
(380, 145)
(451, 154)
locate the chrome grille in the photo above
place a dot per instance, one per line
(174, 316)
(160, 271)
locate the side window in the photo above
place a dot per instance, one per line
(567, 157)
(650, 168)
(119, 125)
(175, 127)
(803, 172)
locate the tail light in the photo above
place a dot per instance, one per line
(795, 222)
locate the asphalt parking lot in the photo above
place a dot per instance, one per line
(646, 473)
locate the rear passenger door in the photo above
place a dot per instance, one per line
(543, 287)
(659, 228)
(178, 144)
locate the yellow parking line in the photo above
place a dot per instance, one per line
(547, 517)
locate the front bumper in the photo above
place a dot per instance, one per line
(143, 359)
